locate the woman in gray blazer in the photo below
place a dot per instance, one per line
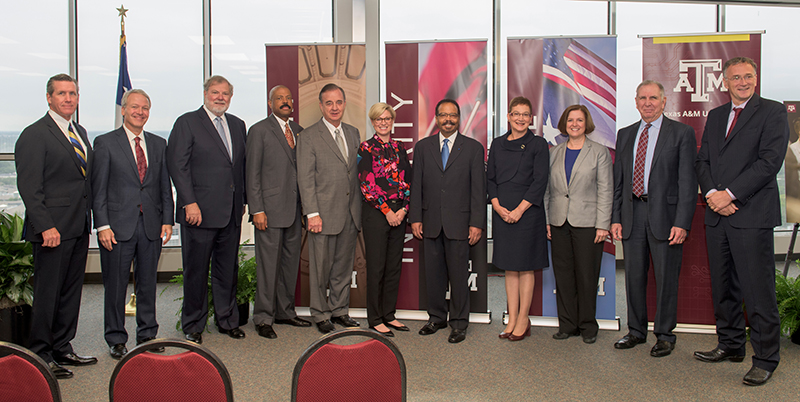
(578, 200)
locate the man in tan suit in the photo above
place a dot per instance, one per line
(328, 182)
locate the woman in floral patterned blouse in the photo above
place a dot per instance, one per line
(385, 176)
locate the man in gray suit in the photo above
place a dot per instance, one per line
(274, 202)
(448, 212)
(328, 181)
(133, 216)
(655, 193)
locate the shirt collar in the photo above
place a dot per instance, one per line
(282, 123)
(62, 122)
(655, 124)
(452, 138)
(212, 116)
(331, 127)
(131, 135)
(742, 106)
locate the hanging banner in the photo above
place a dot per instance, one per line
(555, 73)
(418, 76)
(690, 68)
(305, 69)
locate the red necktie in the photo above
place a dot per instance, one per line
(638, 167)
(289, 136)
(736, 112)
(141, 162)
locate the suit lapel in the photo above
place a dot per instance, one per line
(663, 137)
(587, 146)
(125, 148)
(275, 129)
(327, 138)
(212, 131)
(744, 116)
(455, 150)
(62, 139)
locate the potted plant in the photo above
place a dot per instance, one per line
(16, 270)
(787, 291)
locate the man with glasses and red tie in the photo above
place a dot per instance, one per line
(743, 146)
(54, 160)
(655, 194)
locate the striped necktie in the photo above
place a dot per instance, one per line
(73, 138)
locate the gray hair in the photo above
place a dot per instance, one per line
(738, 60)
(59, 77)
(135, 91)
(650, 82)
(214, 80)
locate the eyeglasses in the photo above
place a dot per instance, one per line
(383, 119)
(451, 115)
(746, 78)
(517, 115)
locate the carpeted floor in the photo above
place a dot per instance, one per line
(482, 368)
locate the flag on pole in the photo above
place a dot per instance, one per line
(124, 80)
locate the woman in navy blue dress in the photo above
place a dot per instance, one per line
(517, 173)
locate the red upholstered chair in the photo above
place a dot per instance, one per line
(193, 375)
(25, 377)
(372, 370)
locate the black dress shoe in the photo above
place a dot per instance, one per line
(564, 335)
(628, 341)
(266, 331)
(71, 359)
(196, 337)
(325, 326)
(718, 355)
(590, 339)
(159, 349)
(399, 328)
(345, 321)
(431, 327)
(295, 322)
(662, 348)
(235, 333)
(388, 333)
(117, 351)
(457, 335)
(756, 376)
(60, 372)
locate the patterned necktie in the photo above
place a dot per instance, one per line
(340, 142)
(445, 152)
(78, 149)
(221, 131)
(736, 112)
(141, 162)
(289, 136)
(638, 167)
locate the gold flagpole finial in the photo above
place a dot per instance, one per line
(122, 10)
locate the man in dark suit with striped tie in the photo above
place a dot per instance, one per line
(53, 158)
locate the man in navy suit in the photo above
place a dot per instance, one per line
(133, 216)
(206, 160)
(448, 213)
(655, 194)
(743, 146)
(54, 158)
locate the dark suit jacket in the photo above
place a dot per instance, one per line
(272, 172)
(672, 185)
(50, 181)
(452, 198)
(118, 193)
(747, 162)
(202, 171)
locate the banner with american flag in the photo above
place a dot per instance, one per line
(124, 80)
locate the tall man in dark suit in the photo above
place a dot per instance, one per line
(53, 159)
(743, 145)
(274, 203)
(206, 160)
(133, 206)
(328, 182)
(655, 193)
(448, 212)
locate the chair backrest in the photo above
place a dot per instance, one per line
(372, 370)
(24, 376)
(193, 375)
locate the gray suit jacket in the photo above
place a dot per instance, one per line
(672, 185)
(271, 172)
(586, 201)
(118, 193)
(329, 183)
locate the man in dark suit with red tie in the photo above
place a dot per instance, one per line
(206, 160)
(54, 159)
(133, 216)
(743, 146)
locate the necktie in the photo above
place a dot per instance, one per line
(736, 112)
(340, 142)
(289, 136)
(638, 167)
(78, 149)
(445, 152)
(141, 162)
(221, 131)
